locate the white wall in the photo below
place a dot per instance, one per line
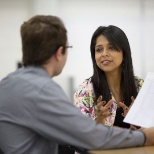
(12, 14)
(81, 17)
(135, 17)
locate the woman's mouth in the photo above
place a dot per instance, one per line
(106, 62)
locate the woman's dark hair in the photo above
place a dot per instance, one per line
(41, 37)
(118, 40)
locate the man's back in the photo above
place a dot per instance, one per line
(36, 115)
(18, 130)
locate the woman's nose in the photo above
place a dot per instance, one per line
(105, 53)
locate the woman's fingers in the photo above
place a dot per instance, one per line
(106, 110)
(109, 104)
(99, 99)
(125, 109)
(103, 109)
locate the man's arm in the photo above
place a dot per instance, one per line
(59, 120)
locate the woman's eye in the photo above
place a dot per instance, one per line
(98, 49)
(111, 47)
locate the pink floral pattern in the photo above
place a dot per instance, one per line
(84, 100)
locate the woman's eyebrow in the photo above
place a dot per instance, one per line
(98, 45)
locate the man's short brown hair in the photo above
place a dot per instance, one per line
(41, 37)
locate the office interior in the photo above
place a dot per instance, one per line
(81, 18)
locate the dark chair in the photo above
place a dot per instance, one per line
(80, 150)
(1, 152)
(65, 149)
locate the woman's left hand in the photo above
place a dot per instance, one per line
(126, 108)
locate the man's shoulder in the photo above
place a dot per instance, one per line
(30, 77)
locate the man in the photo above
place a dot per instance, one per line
(36, 115)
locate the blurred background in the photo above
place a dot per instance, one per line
(81, 18)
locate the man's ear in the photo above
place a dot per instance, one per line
(59, 53)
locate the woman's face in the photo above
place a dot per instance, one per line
(108, 59)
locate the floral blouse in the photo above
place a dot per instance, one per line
(84, 100)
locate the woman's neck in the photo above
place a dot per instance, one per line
(114, 82)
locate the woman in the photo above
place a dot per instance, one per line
(110, 92)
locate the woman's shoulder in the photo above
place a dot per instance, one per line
(84, 95)
(85, 89)
(86, 84)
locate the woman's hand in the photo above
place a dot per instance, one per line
(103, 110)
(126, 108)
